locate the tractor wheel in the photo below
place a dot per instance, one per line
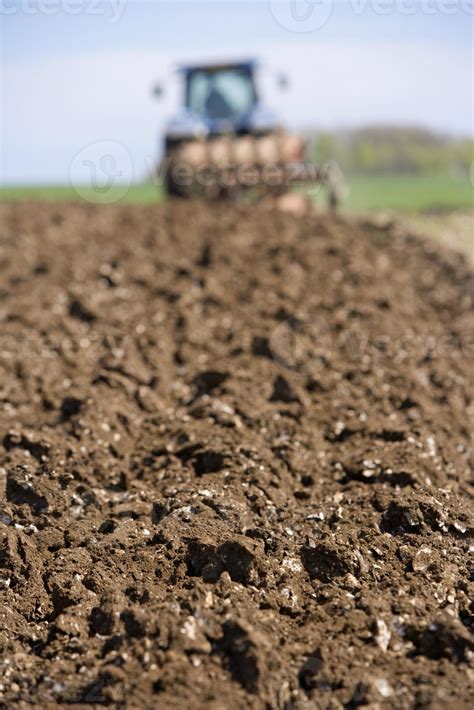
(171, 187)
(183, 164)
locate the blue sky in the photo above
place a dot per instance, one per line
(71, 80)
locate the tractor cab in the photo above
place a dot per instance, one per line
(220, 99)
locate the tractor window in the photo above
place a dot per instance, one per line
(224, 93)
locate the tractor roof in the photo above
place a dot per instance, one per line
(216, 66)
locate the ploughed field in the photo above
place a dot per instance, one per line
(235, 461)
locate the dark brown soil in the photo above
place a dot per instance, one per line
(235, 461)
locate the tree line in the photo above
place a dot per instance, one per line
(389, 149)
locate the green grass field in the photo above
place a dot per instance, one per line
(401, 193)
(408, 193)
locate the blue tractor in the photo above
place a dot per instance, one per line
(224, 142)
